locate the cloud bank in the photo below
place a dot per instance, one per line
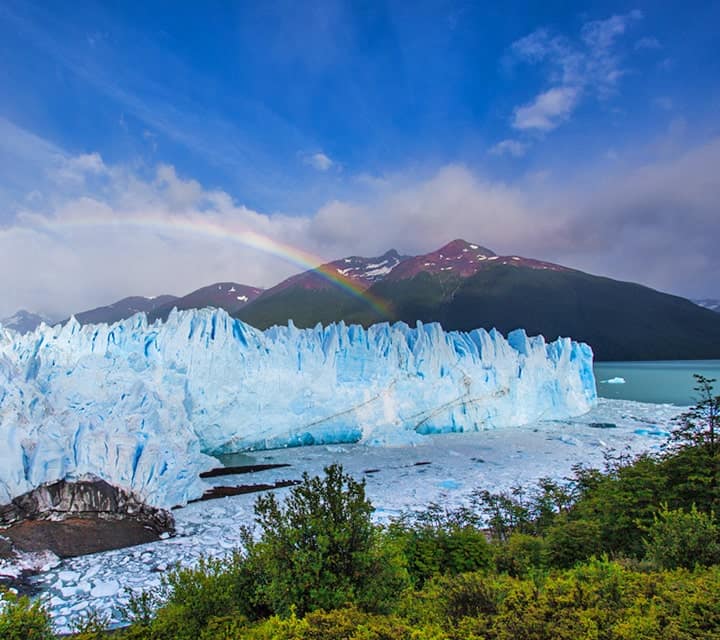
(73, 241)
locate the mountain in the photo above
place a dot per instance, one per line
(122, 309)
(355, 270)
(230, 296)
(464, 286)
(709, 303)
(24, 321)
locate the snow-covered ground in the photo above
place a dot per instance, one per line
(459, 463)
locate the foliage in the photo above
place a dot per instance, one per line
(571, 541)
(700, 425)
(471, 595)
(23, 619)
(191, 597)
(683, 539)
(438, 542)
(521, 555)
(320, 549)
(521, 510)
(693, 460)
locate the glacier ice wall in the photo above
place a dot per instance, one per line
(140, 405)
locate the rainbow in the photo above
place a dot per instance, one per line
(245, 237)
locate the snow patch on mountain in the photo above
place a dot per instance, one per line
(709, 303)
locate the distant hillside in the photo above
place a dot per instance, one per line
(230, 296)
(464, 286)
(24, 321)
(123, 309)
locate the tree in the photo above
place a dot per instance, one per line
(694, 450)
(683, 539)
(700, 425)
(320, 550)
(438, 541)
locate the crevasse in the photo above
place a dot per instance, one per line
(141, 405)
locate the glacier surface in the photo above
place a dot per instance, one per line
(141, 405)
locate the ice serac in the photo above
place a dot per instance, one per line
(141, 405)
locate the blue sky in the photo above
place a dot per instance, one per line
(579, 132)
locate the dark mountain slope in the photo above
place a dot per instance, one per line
(122, 309)
(230, 296)
(620, 320)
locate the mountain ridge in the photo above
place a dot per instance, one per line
(465, 285)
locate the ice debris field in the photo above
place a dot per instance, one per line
(398, 478)
(141, 405)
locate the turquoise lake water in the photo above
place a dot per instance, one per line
(662, 382)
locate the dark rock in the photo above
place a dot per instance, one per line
(90, 498)
(224, 492)
(72, 536)
(248, 468)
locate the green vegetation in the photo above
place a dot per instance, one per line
(21, 619)
(629, 552)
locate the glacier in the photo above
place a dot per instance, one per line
(145, 406)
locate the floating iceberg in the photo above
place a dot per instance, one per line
(141, 405)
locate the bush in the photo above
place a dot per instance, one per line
(192, 597)
(441, 545)
(320, 550)
(521, 555)
(571, 541)
(472, 595)
(23, 619)
(683, 539)
(340, 624)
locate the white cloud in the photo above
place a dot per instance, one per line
(509, 147)
(162, 233)
(600, 35)
(575, 69)
(77, 168)
(548, 110)
(319, 161)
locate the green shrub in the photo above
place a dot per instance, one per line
(320, 550)
(520, 556)
(23, 619)
(471, 595)
(438, 542)
(683, 539)
(192, 596)
(570, 541)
